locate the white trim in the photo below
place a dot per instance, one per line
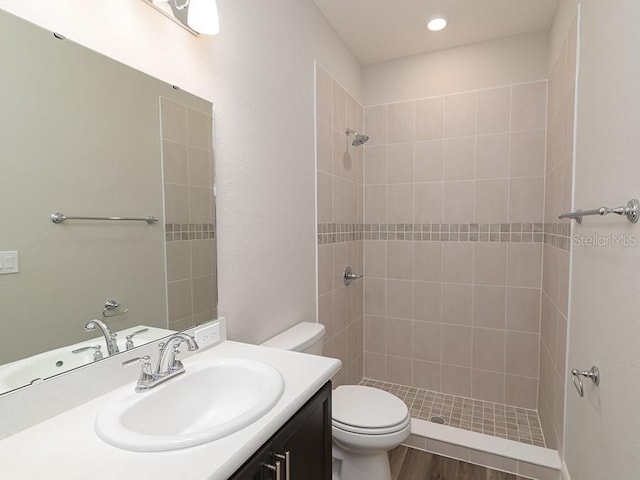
(544, 457)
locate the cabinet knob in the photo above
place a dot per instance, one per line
(276, 469)
(287, 463)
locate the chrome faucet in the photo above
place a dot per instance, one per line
(168, 365)
(109, 337)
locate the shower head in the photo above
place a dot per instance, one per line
(358, 138)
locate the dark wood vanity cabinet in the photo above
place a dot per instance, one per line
(305, 440)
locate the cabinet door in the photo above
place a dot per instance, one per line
(307, 439)
(256, 467)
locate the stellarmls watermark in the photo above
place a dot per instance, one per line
(603, 241)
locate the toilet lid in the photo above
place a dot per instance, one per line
(367, 408)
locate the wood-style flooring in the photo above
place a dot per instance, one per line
(411, 464)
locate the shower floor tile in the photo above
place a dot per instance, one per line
(493, 419)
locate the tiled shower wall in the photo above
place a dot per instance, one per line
(557, 245)
(339, 210)
(187, 155)
(453, 215)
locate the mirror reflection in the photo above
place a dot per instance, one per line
(85, 136)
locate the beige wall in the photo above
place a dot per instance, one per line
(339, 192)
(603, 428)
(557, 245)
(517, 59)
(264, 89)
(453, 232)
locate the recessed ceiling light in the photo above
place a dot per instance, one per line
(436, 24)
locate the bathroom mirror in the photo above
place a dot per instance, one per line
(86, 136)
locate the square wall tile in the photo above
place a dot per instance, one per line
(426, 375)
(428, 199)
(522, 354)
(400, 203)
(375, 124)
(457, 262)
(460, 115)
(527, 155)
(375, 254)
(199, 129)
(429, 119)
(427, 260)
(400, 260)
(459, 158)
(174, 121)
(375, 366)
(492, 201)
(526, 200)
(457, 304)
(488, 386)
(400, 122)
(399, 298)
(492, 156)
(398, 337)
(375, 332)
(524, 265)
(375, 204)
(488, 350)
(456, 380)
(523, 309)
(428, 161)
(494, 110)
(521, 391)
(175, 162)
(427, 341)
(490, 264)
(427, 301)
(459, 202)
(375, 165)
(457, 345)
(399, 161)
(529, 106)
(399, 370)
(489, 306)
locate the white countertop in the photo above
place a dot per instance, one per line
(67, 447)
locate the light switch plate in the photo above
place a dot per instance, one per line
(9, 262)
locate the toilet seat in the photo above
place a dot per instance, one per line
(368, 411)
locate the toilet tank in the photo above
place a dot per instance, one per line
(304, 337)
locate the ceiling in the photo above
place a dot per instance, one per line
(381, 30)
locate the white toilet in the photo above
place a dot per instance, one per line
(366, 422)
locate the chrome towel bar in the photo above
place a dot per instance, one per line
(61, 217)
(631, 211)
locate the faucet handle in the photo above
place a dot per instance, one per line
(97, 351)
(146, 375)
(174, 363)
(129, 344)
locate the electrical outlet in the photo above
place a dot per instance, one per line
(207, 335)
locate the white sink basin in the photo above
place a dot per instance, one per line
(214, 398)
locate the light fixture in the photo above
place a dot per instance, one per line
(196, 16)
(436, 24)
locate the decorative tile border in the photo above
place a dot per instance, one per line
(493, 419)
(339, 232)
(435, 232)
(558, 235)
(189, 231)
